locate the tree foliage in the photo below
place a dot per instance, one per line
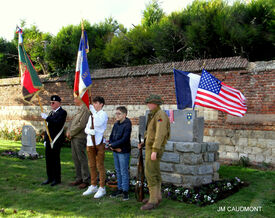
(8, 59)
(152, 14)
(35, 43)
(205, 29)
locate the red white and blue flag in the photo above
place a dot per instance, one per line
(82, 74)
(213, 93)
(186, 86)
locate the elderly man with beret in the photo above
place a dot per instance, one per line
(56, 121)
(156, 135)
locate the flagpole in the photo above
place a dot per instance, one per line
(203, 67)
(89, 89)
(18, 58)
(47, 129)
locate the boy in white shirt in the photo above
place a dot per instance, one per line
(96, 146)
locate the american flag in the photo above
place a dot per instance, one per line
(213, 93)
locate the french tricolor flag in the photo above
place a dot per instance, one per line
(186, 85)
(82, 74)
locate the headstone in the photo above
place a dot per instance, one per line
(28, 142)
(142, 125)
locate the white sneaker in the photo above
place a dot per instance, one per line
(92, 189)
(100, 193)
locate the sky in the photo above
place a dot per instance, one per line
(51, 15)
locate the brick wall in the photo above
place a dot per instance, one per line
(252, 135)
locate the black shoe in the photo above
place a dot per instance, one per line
(125, 196)
(55, 183)
(117, 193)
(46, 182)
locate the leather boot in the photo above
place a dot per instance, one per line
(146, 200)
(148, 206)
(159, 196)
(153, 201)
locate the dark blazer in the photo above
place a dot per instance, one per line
(56, 121)
(120, 136)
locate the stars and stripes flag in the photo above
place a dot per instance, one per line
(82, 74)
(213, 93)
(31, 84)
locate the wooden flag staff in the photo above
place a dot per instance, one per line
(47, 129)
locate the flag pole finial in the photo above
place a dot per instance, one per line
(203, 65)
(82, 24)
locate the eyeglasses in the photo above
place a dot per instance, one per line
(118, 113)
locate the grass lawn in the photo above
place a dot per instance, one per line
(21, 194)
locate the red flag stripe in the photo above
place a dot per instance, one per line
(219, 99)
(218, 102)
(227, 96)
(26, 81)
(219, 108)
(217, 105)
(238, 94)
(234, 90)
(231, 99)
(76, 82)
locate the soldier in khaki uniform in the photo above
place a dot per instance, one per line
(156, 135)
(76, 133)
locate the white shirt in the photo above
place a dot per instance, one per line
(56, 109)
(100, 125)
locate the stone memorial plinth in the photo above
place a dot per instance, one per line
(187, 161)
(28, 141)
(187, 127)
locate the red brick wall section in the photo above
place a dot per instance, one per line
(258, 87)
(134, 90)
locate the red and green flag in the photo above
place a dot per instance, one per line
(31, 84)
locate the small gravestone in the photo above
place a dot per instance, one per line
(28, 142)
(142, 125)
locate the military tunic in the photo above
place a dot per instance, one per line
(157, 133)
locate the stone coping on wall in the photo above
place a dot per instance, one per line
(228, 63)
(214, 64)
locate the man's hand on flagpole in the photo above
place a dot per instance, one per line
(44, 116)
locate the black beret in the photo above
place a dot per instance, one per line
(55, 98)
